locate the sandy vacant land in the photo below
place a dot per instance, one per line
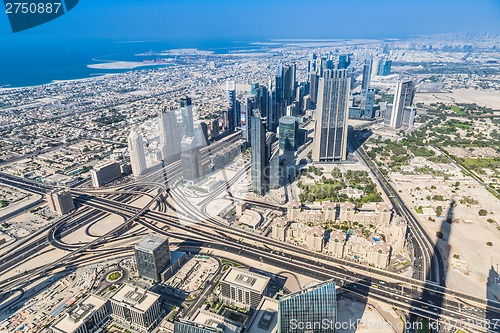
(487, 98)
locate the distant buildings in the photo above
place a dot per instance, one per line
(152, 256)
(104, 172)
(137, 307)
(243, 289)
(136, 150)
(170, 137)
(60, 202)
(315, 307)
(384, 67)
(403, 98)
(330, 136)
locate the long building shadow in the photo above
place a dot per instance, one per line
(493, 294)
(436, 300)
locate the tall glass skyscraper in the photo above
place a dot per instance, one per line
(233, 112)
(258, 153)
(313, 309)
(367, 71)
(331, 115)
(187, 116)
(403, 97)
(136, 151)
(170, 139)
(152, 256)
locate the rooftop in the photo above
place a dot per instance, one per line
(265, 317)
(246, 279)
(76, 317)
(151, 242)
(135, 297)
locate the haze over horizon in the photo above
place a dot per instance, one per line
(196, 20)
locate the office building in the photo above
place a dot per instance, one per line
(330, 136)
(191, 159)
(136, 307)
(206, 322)
(315, 306)
(367, 70)
(265, 317)
(170, 138)
(233, 114)
(384, 67)
(409, 117)
(246, 115)
(136, 151)
(243, 289)
(60, 202)
(214, 128)
(187, 116)
(86, 317)
(275, 168)
(388, 114)
(104, 172)
(344, 61)
(403, 97)
(258, 153)
(288, 133)
(368, 104)
(152, 256)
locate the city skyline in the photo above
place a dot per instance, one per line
(284, 186)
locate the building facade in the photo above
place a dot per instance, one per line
(403, 98)
(60, 202)
(152, 255)
(330, 136)
(170, 138)
(137, 307)
(136, 151)
(104, 172)
(242, 288)
(309, 309)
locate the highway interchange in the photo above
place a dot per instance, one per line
(170, 214)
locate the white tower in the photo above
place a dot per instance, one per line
(136, 150)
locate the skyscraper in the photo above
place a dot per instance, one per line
(315, 308)
(288, 133)
(152, 256)
(246, 115)
(384, 67)
(367, 70)
(136, 150)
(191, 159)
(409, 116)
(258, 154)
(403, 97)
(233, 114)
(332, 109)
(170, 138)
(187, 116)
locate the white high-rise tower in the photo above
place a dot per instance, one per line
(170, 138)
(136, 150)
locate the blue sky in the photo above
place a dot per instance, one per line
(263, 19)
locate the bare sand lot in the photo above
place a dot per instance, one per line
(487, 98)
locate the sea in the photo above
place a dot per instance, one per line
(38, 61)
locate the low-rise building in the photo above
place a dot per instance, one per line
(85, 317)
(137, 307)
(243, 289)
